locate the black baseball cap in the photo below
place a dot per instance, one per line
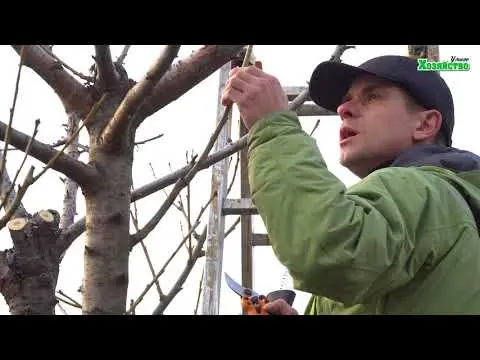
(331, 80)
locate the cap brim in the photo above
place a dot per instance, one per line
(330, 82)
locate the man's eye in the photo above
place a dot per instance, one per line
(371, 96)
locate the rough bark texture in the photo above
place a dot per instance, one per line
(29, 271)
(107, 222)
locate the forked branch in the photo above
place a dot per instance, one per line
(139, 93)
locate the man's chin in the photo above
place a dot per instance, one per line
(354, 164)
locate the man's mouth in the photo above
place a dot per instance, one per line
(346, 133)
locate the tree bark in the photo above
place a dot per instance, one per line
(29, 271)
(107, 245)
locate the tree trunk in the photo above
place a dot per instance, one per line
(29, 271)
(107, 245)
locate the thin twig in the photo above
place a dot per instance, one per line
(12, 111)
(89, 79)
(145, 250)
(10, 196)
(68, 302)
(18, 199)
(315, 127)
(75, 305)
(234, 174)
(125, 112)
(160, 272)
(177, 287)
(62, 309)
(150, 139)
(73, 301)
(75, 134)
(26, 153)
(232, 227)
(199, 294)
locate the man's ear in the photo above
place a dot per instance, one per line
(428, 125)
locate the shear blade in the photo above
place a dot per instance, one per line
(239, 289)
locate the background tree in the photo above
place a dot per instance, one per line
(110, 107)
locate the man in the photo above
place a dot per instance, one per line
(404, 239)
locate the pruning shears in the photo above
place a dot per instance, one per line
(254, 303)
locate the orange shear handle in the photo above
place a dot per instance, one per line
(254, 308)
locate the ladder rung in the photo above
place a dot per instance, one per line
(243, 206)
(260, 240)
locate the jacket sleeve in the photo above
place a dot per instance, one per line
(349, 246)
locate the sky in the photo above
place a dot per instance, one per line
(186, 125)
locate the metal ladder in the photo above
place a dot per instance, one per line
(222, 206)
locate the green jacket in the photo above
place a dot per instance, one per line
(403, 240)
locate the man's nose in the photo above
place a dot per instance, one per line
(345, 110)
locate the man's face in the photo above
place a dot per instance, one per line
(376, 124)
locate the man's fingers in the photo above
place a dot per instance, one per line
(278, 307)
(255, 71)
(231, 95)
(246, 77)
(259, 64)
(238, 82)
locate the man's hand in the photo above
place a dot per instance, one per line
(280, 307)
(255, 92)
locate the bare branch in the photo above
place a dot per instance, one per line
(134, 217)
(82, 173)
(123, 55)
(73, 95)
(138, 94)
(12, 111)
(149, 139)
(162, 270)
(171, 178)
(89, 79)
(60, 153)
(107, 75)
(232, 227)
(70, 301)
(186, 74)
